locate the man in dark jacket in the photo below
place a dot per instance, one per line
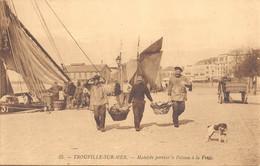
(78, 95)
(55, 91)
(137, 94)
(117, 92)
(69, 93)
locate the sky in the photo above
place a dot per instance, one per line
(192, 30)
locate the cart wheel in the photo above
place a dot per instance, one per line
(220, 98)
(243, 97)
(245, 101)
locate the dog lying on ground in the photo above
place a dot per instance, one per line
(220, 129)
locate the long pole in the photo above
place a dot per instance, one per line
(138, 44)
(120, 66)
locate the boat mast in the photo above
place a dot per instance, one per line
(138, 44)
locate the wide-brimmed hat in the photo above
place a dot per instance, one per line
(178, 68)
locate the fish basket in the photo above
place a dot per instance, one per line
(58, 105)
(161, 108)
(118, 113)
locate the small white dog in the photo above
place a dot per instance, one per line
(221, 129)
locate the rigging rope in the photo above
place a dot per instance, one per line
(14, 8)
(46, 29)
(73, 38)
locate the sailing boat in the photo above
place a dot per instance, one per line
(22, 53)
(147, 64)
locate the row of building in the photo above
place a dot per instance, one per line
(212, 69)
(209, 69)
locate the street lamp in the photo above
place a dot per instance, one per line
(118, 60)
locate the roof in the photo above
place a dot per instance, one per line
(86, 68)
(206, 61)
(169, 68)
(202, 62)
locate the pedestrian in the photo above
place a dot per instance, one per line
(86, 97)
(99, 101)
(117, 92)
(178, 94)
(78, 95)
(126, 92)
(55, 91)
(69, 93)
(137, 94)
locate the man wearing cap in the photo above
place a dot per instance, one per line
(78, 95)
(99, 101)
(178, 94)
(137, 94)
(55, 91)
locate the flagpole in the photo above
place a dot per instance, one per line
(138, 56)
(138, 44)
(121, 72)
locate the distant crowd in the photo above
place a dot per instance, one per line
(78, 96)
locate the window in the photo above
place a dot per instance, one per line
(76, 75)
(71, 75)
(88, 75)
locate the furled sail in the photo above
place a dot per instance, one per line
(22, 53)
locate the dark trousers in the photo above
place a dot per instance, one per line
(78, 102)
(118, 100)
(125, 99)
(100, 115)
(178, 108)
(69, 101)
(138, 109)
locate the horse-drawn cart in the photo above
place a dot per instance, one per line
(227, 86)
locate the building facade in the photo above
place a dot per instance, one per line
(167, 72)
(213, 69)
(81, 72)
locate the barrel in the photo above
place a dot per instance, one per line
(58, 105)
